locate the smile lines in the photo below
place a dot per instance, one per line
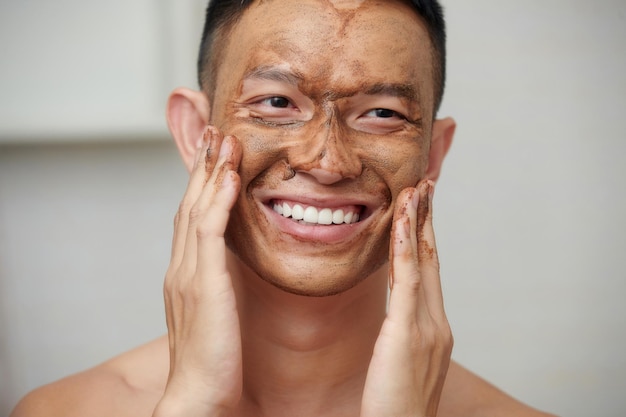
(314, 215)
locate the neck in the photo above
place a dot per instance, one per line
(298, 351)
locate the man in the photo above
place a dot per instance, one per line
(313, 150)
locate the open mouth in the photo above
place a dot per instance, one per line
(311, 215)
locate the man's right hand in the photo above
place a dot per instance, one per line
(205, 377)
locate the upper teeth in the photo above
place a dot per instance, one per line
(316, 215)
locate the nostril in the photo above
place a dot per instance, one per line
(289, 173)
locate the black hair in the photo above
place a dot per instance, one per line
(221, 16)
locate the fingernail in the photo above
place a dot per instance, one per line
(202, 141)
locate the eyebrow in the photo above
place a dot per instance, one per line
(274, 74)
(406, 91)
(271, 73)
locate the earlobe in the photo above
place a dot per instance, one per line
(443, 133)
(188, 113)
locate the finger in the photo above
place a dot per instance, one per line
(213, 197)
(406, 291)
(428, 258)
(211, 229)
(193, 210)
(205, 160)
(211, 257)
(211, 211)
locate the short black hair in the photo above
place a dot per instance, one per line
(221, 16)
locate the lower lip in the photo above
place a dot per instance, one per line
(334, 233)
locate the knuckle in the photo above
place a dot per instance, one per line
(450, 341)
(409, 279)
(207, 229)
(195, 213)
(168, 282)
(183, 209)
(413, 284)
(445, 339)
(175, 281)
(167, 286)
(192, 295)
(170, 286)
(203, 229)
(435, 336)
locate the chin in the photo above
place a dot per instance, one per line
(305, 276)
(320, 287)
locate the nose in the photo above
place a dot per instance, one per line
(328, 156)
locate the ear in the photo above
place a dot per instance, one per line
(443, 132)
(188, 113)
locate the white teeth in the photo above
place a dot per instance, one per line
(325, 216)
(297, 212)
(338, 217)
(286, 210)
(312, 215)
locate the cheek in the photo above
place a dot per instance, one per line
(401, 165)
(263, 154)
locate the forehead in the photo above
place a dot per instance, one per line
(338, 43)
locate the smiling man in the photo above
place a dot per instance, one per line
(313, 148)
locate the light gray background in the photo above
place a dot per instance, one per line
(529, 211)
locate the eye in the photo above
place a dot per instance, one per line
(381, 120)
(383, 114)
(277, 101)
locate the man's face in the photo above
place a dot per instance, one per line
(332, 103)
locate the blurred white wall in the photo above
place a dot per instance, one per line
(529, 210)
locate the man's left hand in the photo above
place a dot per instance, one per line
(412, 353)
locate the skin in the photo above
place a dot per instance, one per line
(269, 317)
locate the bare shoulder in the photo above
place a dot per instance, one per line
(466, 394)
(127, 385)
(132, 383)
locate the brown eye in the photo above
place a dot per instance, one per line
(384, 113)
(280, 102)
